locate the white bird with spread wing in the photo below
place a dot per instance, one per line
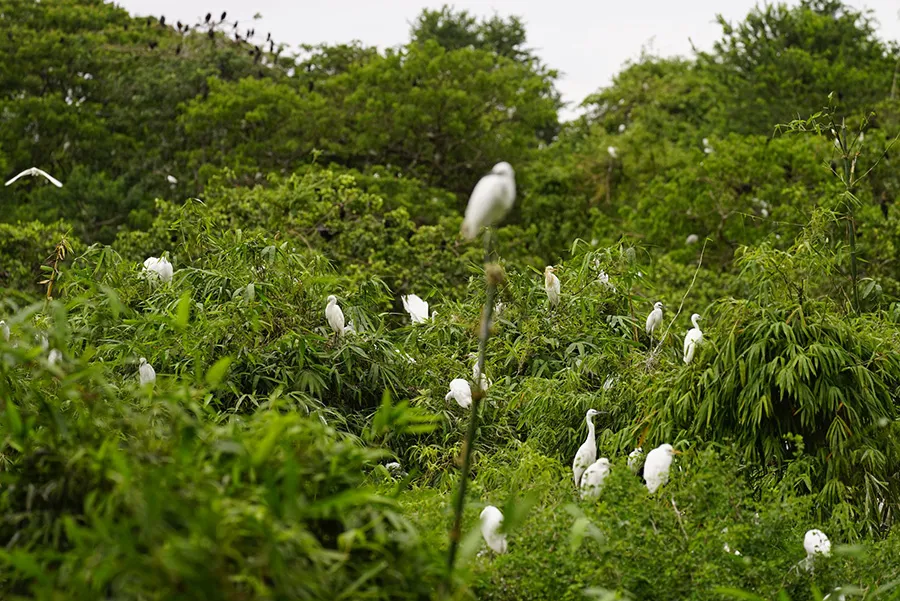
(334, 315)
(587, 452)
(34, 172)
(654, 319)
(416, 307)
(461, 392)
(491, 521)
(693, 339)
(491, 200)
(551, 285)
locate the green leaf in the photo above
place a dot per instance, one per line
(216, 373)
(183, 311)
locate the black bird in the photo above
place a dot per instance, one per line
(237, 37)
(235, 25)
(211, 33)
(272, 46)
(208, 17)
(153, 45)
(224, 14)
(178, 49)
(162, 20)
(179, 25)
(149, 20)
(268, 37)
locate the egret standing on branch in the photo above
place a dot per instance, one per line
(693, 338)
(335, 316)
(34, 172)
(654, 319)
(551, 285)
(146, 373)
(587, 452)
(656, 467)
(491, 521)
(592, 480)
(491, 200)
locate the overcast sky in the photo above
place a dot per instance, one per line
(588, 42)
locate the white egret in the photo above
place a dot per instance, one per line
(483, 382)
(587, 452)
(592, 480)
(334, 315)
(491, 521)
(815, 542)
(155, 267)
(4, 331)
(551, 285)
(461, 392)
(603, 278)
(656, 467)
(613, 151)
(171, 179)
(692, 239)
(609, 382)
(54, 357)
(622, 128)
(34, 172)
(146, 373)
(492, 197)
(395, 469)
(693, 338)
(636, 460)
(654, 319)
(416, 307)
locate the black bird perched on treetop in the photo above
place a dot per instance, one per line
(268, 37)
(208, 17)
(224, 14)
(179, 25)
(162, 20)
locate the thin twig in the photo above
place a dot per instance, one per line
(662, 339)
(680, 522)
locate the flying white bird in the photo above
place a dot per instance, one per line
(4, 331)
(692, 339)
(492, 198)
(491, 521)
(636, 460)
(146, 373)
(587, 452)
(816, 543)
(592, 480)
(656, 467)
(461, 392)
(692, 239)
(34, 172)
(654, 319)
(551, 285)
(335, 316)
(158, 268)
(54, 357)
(416, 307)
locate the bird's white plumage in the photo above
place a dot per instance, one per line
(146, 373)
(54, 357)
(492, 197)
(656, 467)
(416, 307)
(815, 542)
(491, 521)
(635, 460)
(483, 382)
(158, 267)
(461, 392)
(655, 318)
(551, 285)
(692, 239)
(693, 339)
(4, 331)
(592, 480)
(587, 452)
(334, 315)
(34, 172)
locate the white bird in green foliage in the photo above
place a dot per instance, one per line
(491, 521)
(587, 452)
(461, 392)
(693, 339)
(654, 319)
(656, 467)
(815, 543)
(334, 315)
(592, 480)
(158, 267)
(4, 331)
(146, 373)
(491, 200)
(551, 285)
(416, 307)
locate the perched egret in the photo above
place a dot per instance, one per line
(395, 469)
(551, 285)
(492, 198)
(816, 543)
(603, 278)
(693, 338)
(692, 239)
(613, 152)
(656, 467)
(636, 460)
(4, 331)
(491, 521)
(146, 373)
(34, 172)
(592, 480)
(654, 319)
(335, 316)
(54, 357)
(587, 452)
(479, 377)
(158, 268)
(416, 307)
(461, 392)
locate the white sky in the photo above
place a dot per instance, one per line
(588, 42)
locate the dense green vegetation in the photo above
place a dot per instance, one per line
(755, 184)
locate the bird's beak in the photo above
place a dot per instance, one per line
(675, 452)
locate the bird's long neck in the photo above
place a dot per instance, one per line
(694, 321)
(590, 423)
